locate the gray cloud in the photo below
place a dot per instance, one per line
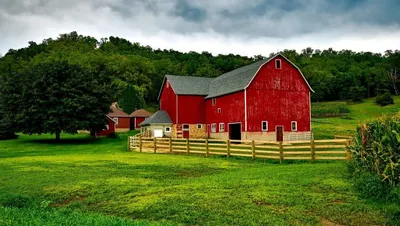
(177, 23)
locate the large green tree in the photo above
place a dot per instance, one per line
(132, 99)
(56, 96)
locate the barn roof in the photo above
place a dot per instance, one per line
(160, 117)
(140, 113)
(116, 112)
(230, 82)
(188, 85)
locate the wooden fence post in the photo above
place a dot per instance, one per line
(140, 143)
(253, 150)
(228, 146)
(170, 145)
(129, 144)
(348, 151)
(207, 148)
(155, 145)
(281, 151)
(312, 151)
(187, 145)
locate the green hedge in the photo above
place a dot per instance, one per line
(329, 109)
(375, 157)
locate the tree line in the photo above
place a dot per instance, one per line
(86, 75)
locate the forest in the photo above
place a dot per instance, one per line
(334, 75)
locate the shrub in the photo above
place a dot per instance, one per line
(384, 99)
(329, 109)
(375, 157)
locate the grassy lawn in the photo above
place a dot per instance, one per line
(98, 183)
(345, 125)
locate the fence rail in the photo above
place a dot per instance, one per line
(312, 150)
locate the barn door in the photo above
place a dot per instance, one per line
(208, 130)
(279, 133)
(185, 130)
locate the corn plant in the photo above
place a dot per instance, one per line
(376, 149)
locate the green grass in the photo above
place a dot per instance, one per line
(326, 109)
(97, 182)
(346, 125)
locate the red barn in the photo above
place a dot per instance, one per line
(137, 117)
(121, 119)
(266, 100)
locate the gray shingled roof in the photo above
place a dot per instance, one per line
(189, 85)
(160, 117)
(229, 82)
(235, 80)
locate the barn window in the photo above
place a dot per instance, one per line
(115, 120)
(219, 110)
(107, 127)
(199, 126)
(185, 127)
(167, 129)
(294, 126)
(222, 127)
(278, 64)
(213, 128)
(264, 126)
(214, 101)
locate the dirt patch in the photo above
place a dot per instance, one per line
(261, 203)
(338, 201)
(329, 223)
(67, 202)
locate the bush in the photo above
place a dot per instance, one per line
(375, 157)
(384, 99)
(329, 109)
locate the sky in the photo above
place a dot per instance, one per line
(245, 27)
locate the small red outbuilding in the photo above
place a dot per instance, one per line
(137, 117)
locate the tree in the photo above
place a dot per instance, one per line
(56, 96)
(132, 99)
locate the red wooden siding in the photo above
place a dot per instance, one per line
(278, 96)
(138, 120)
(168, 101)
(110, 130)
(124, 123)
(191, 109)
(232, 110)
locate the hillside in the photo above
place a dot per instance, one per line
(346, 125)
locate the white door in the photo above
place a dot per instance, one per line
(158, 133)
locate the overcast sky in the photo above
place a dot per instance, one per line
(247, 27)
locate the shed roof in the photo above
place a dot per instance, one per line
(116, 112)
(140, 113)
(160, 117)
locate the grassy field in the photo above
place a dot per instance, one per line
(345, 125)
(85, 182)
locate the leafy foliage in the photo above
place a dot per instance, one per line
(329, 109)
(132, 99)
(377, 151)
(384, 99)
(334, 75)
(55, 96)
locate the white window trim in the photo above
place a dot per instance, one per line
(107, 127)
(213, 128)
(199, 126)
(169, 129)
(262, 127)
(219, 110)
(223, 129)
(183, 127)
(291, 126)
(214, 101)
(276, 64)
(115, 119)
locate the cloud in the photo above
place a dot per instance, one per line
(246, 27)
